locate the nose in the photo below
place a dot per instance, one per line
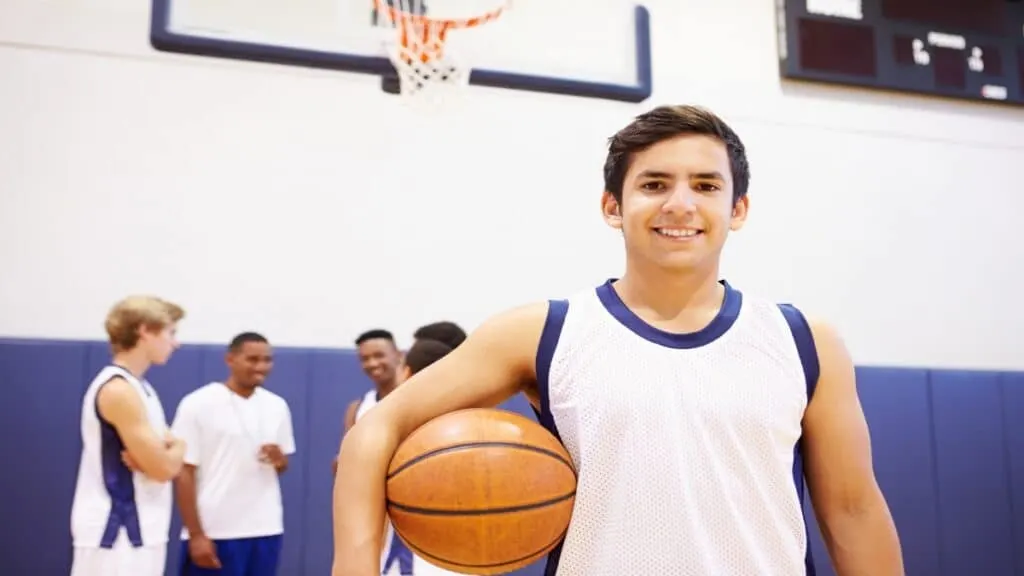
(681, 200)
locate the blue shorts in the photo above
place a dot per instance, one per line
(241, 557)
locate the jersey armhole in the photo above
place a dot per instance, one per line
(804, 339)
(549, 336)
(96, 396)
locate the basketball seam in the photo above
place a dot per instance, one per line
(459, 447)
(481, 511)
(541, 551)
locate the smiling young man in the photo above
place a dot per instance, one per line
(379, 357)
(239, 438)
(692, 411)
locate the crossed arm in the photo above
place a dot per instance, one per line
(158, 457)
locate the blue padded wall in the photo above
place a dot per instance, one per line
(948, 450)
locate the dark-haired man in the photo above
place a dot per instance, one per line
(444, 331)
(379, 357)
(692, 411)
(239, 437)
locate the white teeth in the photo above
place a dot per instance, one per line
(677, 233)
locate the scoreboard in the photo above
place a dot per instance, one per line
(968, 49)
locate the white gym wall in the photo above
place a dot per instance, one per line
(310, 206)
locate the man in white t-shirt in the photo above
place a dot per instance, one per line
(239, 436)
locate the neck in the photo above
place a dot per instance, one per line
(384, 389)
(240, 390)
(670, 292)
(133, 361)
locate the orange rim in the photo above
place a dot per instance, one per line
(431, 33)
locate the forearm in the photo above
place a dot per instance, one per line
(864, 542)
(176, 456)
(162, 464)
(359, 508)
(185, 494)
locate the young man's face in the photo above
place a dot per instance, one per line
(379, 358)
(677, 208)
(159, 344)
(250, 364)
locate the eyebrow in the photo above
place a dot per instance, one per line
(654, 174)
(707, 176)
(660, 174)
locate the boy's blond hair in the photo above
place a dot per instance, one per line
(128, 316)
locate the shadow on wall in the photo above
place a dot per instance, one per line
(948, 450)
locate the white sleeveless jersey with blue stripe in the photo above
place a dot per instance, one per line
(687, 446)
(110, 499)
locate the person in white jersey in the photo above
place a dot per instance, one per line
(121, 512)
(692, 411)
(239, 437)
(396, 559)
(379, 358)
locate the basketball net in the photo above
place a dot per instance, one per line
(417, 43)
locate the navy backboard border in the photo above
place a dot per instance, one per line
(163, 39)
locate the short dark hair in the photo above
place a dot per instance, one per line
(447, 332)
(424, 353)
(238, 341)
(663, 123)
(376, 333)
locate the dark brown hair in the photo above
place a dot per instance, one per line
(424, 353)
(663, 123)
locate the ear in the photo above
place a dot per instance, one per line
(740, 208)
(611, 210)
(404, 372)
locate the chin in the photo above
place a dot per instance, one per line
(680, 262)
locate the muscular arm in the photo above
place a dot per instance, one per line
(851, 510)
(493, 364)
(185, 494)
(120, 405)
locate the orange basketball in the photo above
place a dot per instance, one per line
(481, 491)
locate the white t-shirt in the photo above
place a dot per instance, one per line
(237, 495)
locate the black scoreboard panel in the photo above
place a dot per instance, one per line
(970, 49)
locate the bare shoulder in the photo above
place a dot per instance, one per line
(832, 350)
(496, 361)
(117, 399)
(117, 390)
(837, 376)
(516, 330)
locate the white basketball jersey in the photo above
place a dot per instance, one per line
(110, 498)
(686, 445)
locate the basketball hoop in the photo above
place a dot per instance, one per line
(417, 48)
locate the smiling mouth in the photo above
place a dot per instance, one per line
(678, 234)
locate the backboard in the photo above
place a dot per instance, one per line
(598, 49)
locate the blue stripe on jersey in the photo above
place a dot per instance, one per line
(557, 311)
(804, 340)
(119, 482)
(721, 323)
